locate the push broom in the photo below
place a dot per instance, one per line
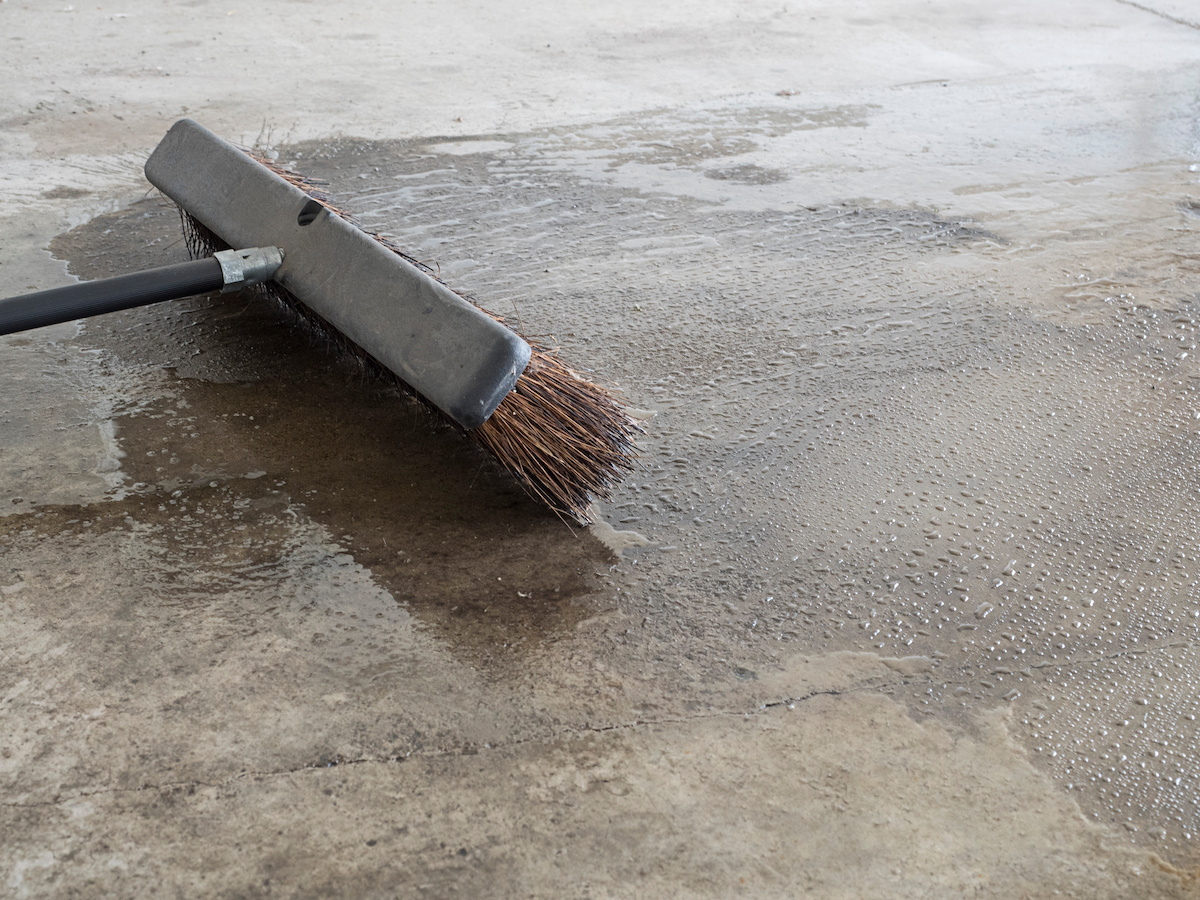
(563, 438)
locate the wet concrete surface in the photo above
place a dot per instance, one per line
(901, 601)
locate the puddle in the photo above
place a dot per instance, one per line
(232, 399)
(879, 431)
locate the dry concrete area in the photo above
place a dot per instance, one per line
(903, 599)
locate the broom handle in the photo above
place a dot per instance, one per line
(225, 271)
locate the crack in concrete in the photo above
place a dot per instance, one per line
(575, 732)
(1161, 14)
(569, 733)
(436, 754)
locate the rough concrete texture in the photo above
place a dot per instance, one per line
(903, 600)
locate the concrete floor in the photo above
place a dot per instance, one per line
(903, 601)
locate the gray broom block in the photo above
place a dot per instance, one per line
(459, 358)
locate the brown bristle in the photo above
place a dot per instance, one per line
(566, 440)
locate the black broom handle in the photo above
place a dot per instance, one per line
(91, 298)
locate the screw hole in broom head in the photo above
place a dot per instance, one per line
(308, 212)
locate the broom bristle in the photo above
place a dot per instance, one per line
(566, 440)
